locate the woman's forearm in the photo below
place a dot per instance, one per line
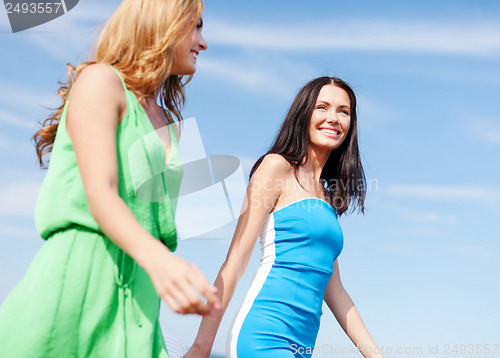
(172, 277)
(120, 225)
(226, 282)
(349, 319)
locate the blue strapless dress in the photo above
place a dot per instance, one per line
(281, 313)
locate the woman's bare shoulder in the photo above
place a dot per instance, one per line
(99, 76)
(101, 71)
(273, 167)
(275, 162)
(98, 84)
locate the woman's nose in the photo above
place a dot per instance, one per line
(202, 43)
(332, 118)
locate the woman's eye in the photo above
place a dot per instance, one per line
(321, 107)
(199, 25)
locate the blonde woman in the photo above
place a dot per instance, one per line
(94, 288)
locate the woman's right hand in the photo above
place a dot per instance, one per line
(178, 282)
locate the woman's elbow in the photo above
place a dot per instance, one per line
(99, 195)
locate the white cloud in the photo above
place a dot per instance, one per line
(246, 74)
(275, 74)
(473, 251)
(18, 231)
(17, 148)
(453, 192)
(18, 199)
(375, 113)
(23, 107)
(4, 22)
(487, 130)
(433, 218)
(73, 34)
(95, 11)
(400, 250)
(473, 39)
(16, 121)
(11, 175)
(22, 96)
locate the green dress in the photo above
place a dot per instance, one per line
(82, 296)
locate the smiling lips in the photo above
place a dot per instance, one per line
(195, 54)
(330, 132)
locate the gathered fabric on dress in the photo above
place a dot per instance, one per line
(83, 296)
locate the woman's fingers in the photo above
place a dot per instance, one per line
(181, 284)
(200, 283)
(185, 291)
(172, 303)
(193, 302)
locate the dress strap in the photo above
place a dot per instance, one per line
(121, 78)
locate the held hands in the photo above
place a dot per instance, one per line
(179, 283)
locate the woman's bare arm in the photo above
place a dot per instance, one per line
(263, 190)
(97, 103)
(344, 310)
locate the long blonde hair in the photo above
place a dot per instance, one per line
(138, 40)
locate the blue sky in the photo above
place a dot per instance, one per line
(421, 264)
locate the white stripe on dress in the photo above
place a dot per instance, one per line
(268, 249)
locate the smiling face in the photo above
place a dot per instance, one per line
(186, 52)
(330, 119)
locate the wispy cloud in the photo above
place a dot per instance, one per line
(375, 113)
(253, 75)
(472, 39)
(18, 152)
(399, 249)
(4, 20)
(16, 121)
(18, 199)
(22, 107)
(432, 218)
(18, 231)
(18, 95)
(74, 33)
(473, 251)
(487, 130)
(453, 192)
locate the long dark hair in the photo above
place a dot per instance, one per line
(343, 176)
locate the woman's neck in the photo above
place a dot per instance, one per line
(316, 161)
(149, 100)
